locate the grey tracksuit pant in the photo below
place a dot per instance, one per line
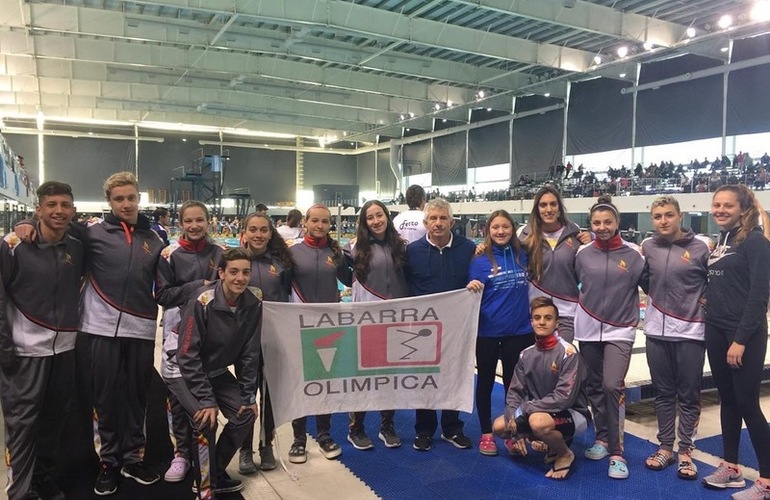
(179, 428)
(211, 456)
(607, 365)
(677, 370)
(35, 397)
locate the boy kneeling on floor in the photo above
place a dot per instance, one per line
(219, 328)
(546, 400)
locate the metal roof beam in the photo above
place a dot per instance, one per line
(184, 33)
(590, 17)
(393, 26)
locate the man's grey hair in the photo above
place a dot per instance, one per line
(437, 204)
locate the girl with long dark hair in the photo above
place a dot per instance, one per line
(377, 256)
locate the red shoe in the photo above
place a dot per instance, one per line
(487, 445)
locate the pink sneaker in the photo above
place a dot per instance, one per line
(487, 445)
(177, 470)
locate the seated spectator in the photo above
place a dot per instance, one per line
(546, 400)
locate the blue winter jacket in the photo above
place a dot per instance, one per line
(505, 302)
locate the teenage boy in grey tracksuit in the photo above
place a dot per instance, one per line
(674, 278)
(219, 328)
(546, 399)
(38, 326)
(119, 314)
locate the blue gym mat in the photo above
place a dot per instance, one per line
(448, 473)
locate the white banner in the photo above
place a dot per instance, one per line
(397, 354)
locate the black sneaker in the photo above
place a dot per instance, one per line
(246, 464)
(225, 484)
(266, 458)
(359, 439)
(459, 440)
(46, 489)
(139, 473)
(422, 442)
(388, 436)
(107, 481)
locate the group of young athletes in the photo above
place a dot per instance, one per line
(544, 286)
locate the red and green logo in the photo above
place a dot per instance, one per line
(356, 351)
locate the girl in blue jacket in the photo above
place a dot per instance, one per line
(504, 326)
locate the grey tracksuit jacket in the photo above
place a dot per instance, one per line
(213, 337)
(314, 279)
(118, 299)
(182, 269)
(271, 277)
(384, 281)
(609, 273)
(42, 281)
(558, 280)
(547, 380)
(674, 278)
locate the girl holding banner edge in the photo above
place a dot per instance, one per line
(377, 256)
(319, 263)
(504, 326)
(271, 267)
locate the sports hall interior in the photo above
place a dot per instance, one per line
(292, 102)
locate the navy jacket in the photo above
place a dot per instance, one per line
(433, 270)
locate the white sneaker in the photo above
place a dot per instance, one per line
(177, 470)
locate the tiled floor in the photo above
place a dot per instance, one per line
(321, 479)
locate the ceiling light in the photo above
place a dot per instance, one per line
(761, 11)
(647, 45)
(401, 117)
(691, 32)
(90, 133)
(725, 49)
(437, 106)
(444, 120)
(408, 130)
(622, 75)
(547, 94)
(411, 115)
(344, 134)
(352, 143)
(480, 94)
(184, 140)
(623, 51)
(489, 109)
(725, 21)
(449, 103)
(598, 60)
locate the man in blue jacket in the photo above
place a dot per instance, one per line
(437, 263)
